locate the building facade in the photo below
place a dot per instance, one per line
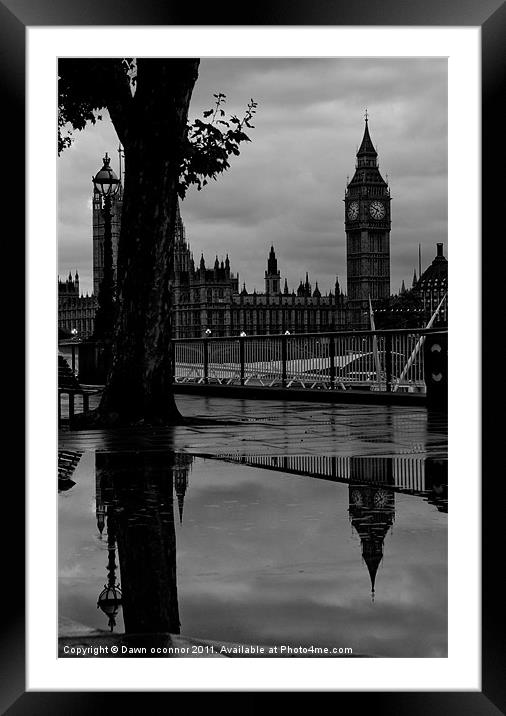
(76, 313)
(116, 201)
(209, 297)
(426, 302)
(431, 289)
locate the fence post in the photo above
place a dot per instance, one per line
(206, 360)
(284, 355)
(241, 357)
(388, 362)
(332, 357)
(436, 371)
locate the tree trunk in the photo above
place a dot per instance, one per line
(139, 385)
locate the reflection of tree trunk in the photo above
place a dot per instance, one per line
(140, 487)
(151, 127)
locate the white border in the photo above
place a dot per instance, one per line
(461, 670)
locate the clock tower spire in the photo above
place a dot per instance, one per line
(367, 225)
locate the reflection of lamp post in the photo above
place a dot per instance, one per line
(109, 599)
(106, 184)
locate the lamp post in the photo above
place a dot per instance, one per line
(106, 184)
(110, 598)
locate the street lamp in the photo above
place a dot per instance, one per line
(110, 598)
(106, 184)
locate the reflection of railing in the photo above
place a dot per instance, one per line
(377, 360)
(415, 475)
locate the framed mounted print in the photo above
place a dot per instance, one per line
(267, 425)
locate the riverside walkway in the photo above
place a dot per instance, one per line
(225, 425)
(382, 368)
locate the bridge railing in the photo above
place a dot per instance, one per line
(377, 360)
(410, 474)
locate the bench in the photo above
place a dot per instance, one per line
(69, 385)
(67, 463)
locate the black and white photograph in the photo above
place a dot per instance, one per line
(238, 230)
(238, 227)
(253, 313)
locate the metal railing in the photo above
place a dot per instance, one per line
(377, 360)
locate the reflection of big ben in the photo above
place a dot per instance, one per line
(182, 465)
(371, 509)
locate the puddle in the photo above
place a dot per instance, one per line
(255, 549)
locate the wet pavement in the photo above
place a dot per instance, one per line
(267, 523)
(282, 428)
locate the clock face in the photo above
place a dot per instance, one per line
(377, 210)
(356, 497)
(353, 211)
(381, 498)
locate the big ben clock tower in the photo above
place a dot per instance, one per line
(367, 225)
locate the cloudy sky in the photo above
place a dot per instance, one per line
(287, 186)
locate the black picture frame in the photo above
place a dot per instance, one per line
(490, 15)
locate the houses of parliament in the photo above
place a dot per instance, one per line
(209, 297)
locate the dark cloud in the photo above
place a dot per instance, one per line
(288, 184)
